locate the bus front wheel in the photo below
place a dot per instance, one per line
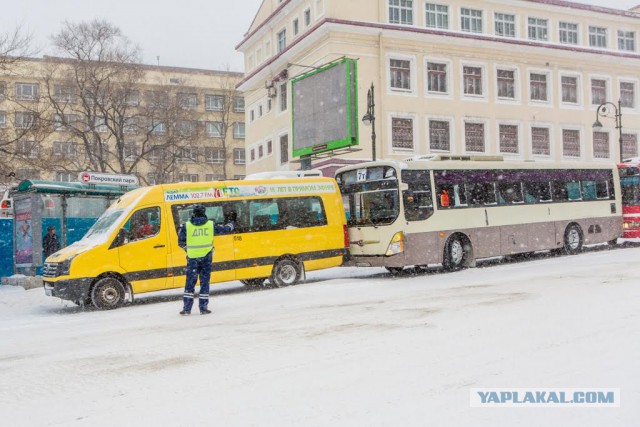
(572, 239)
(107, 293)
(456, 253)
(286, 272)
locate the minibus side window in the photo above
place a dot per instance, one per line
(300, 212)
(143, 224)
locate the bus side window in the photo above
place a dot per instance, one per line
(510, 192)
(482, 193)
(417, 204)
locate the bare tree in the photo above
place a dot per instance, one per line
(14, 47)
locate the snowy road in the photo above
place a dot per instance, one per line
(354, 347)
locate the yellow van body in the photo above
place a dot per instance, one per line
(283, 227)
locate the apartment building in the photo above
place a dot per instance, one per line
(181, 124)
(525, 79)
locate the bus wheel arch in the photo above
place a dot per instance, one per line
(573, 239)
(109, 291)
(287, 271)
(458, 252)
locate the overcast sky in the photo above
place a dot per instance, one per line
(186, 33)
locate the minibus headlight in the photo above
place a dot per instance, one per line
(66, 266)
(397, 244)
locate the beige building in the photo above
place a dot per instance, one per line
(523, 79)
(180, 124)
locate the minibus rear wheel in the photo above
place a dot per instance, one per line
(107, 293)
(286, 272)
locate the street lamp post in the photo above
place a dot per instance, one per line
(604, 112)
(370, 119)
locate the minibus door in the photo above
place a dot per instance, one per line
(143, 252)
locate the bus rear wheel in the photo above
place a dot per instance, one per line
(572, 240)
(456, 254)
(286, 272)
(107, 293)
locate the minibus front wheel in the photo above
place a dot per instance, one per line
(286, 272)
(108, 293)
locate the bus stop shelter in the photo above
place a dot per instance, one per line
(70, 207)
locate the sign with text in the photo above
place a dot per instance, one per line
(107, 178)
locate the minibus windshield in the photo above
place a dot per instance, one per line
(104, 223)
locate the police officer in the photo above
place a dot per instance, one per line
(196, 237)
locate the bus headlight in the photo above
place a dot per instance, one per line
(631, 225)
(66, 266)
(397, 244)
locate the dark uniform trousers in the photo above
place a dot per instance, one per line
(198, 267)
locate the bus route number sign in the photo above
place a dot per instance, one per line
(361, 175)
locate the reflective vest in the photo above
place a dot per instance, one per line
(199, 239)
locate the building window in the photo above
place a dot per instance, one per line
(400, 70)
(538, 87)
(569, 89)
(187, 154)
(130, 125)
(213, 155)
(568, 33)
(260, 151)
(401, 133)
(570, 143)
(186, 127)
(472, 80)
(505, 25)
(3, 90)
(597, 37)
(252, 116)
(30, 149)
(437, 77)
(188, 101)
(437, 16)
(158, 127)
(3, 119)
(471, 20)
(238, 130)
(283, 96)
(214, 177)
(627, 94)
(538, 29)
(601, 145)
(214, 102)
(252, 155)
(64, 148)
(439, 136)
(132, 98)
(508, 139)
(474, 137)
(506, 84)
(238, 104)
(284, 149)
(64, 93)
(157, 152)
(629, 145)
(296, 27)
(130, 152)
(540, 144)
(188, 177)
(152, 178)
(259, 110)
(213, 129)
(269, 147)
(282, 40)
(307, 17)
(401, 12)
(238, 156)
(62, 176)
(627, 40)
(27, 91)
(598, 91)
(25, 120)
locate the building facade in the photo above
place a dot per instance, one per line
(173, 124)
(522, 79)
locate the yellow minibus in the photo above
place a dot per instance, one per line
(283, 228)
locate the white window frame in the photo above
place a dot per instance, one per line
(416, 138)
(594, 32)
(33, 94)
(402, 9)
(214, 160)
(636, 88)
(412, 75)
(580, 130)
(281, 40)
(295, 26)
(538, 29)
(211, 102)
(210, 125)
(429, 94)
(623, 36)
(463, 137)
(614, 153)
(505, 23)
(438, 14)
(484, 82)
(579, 93)
(608, 95)
(552, 147)
(236, 130)
(471, 19)
(516, 84)
(306, 16)
(3, 119)
(452, 133)
(511, 156)
(538, 102)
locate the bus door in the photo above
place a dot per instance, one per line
(223, 268)
(143, 253)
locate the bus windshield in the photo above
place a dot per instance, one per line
(630, 190)
(370, 195)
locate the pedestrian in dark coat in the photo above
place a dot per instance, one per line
(50, 243)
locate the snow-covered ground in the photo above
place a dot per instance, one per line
(350, 347)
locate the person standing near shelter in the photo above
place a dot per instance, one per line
(196, 237)
(50, 243)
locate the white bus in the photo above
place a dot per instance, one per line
(452, 210)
